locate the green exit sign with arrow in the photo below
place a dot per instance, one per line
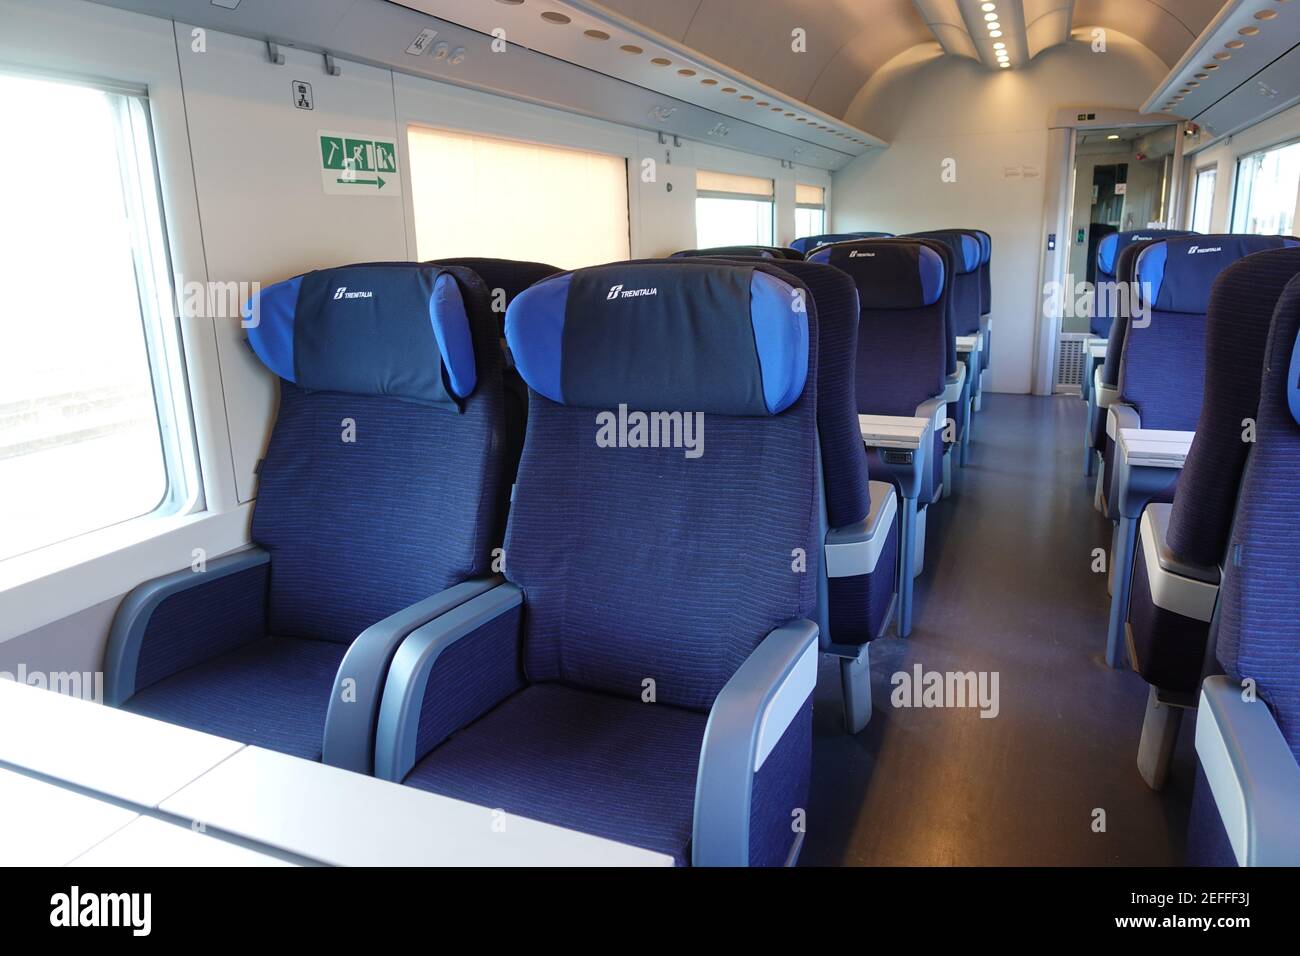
(355, 164)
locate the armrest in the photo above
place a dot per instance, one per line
(1176, 586)
(359, 685)
(935, 409)
(748, 718)
(1120, 416)
(1106, 394)
(445, 674)
(955, 383)
(1252, 774)
(855, 549)
(202, 637)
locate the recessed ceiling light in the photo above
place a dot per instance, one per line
(995, 33)
(629, 48)
(596, 34)
(999, 46)
(1235, 44)
(1223, 56)
(661, 61)
(728, 89)
(789, 114)
(990, 16)
(1249, 31)
(1113, 136)
(1006, 66)
(1193, 84)
(685, 72)
(776, 109)
(1266, 15)
(1201, 76)
(559, 19)
(745, 96)
(986, 7)
(762, 103)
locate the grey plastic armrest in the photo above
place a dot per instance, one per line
(747, 720)
(1175, 585)
(1121, 416)
(408, 676)
(1106, 395)
(359, 685)
(126, 636)
(855, 549)
(955, 383)
(935, 409)
(1252, 774)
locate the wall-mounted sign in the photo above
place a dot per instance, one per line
(353, 164)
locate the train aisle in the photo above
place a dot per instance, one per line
(1008, 592)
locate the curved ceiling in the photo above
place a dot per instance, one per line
(848, 40)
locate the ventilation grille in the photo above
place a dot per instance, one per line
(1070, 351)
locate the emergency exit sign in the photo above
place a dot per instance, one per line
(356, 164)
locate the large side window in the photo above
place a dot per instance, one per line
(482, 196)
(1203, 198)
(732, 210)
(1268, 183)
(95, 427)
(809, 210)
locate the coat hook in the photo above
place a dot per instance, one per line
(273, 53)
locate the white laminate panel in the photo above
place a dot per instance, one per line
(149, 841)
(42, 824)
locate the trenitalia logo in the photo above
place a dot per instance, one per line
(342, 293)
(1201, 250)
(855, 254)
(617, 291)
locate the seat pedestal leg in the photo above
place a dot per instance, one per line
(855, 685)
(918, 558)
(1159, 735)
(906, 544)
(1121, 561)
(947, 472)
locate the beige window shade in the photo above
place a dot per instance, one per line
(483, 196)
(809, 195)
(725, 185)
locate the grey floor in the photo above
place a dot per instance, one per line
(1007, 587)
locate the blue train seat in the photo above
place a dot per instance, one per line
(378, 508)
(763, 252)
(807, 244)
(646, 673)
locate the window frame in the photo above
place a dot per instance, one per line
(1197, 173)
(727, 195)
(1241, 158)
(160, 311)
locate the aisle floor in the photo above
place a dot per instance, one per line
(1008, 589)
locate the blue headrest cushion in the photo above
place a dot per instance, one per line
(1111, 246)
(889, 275)
(396, 329)
(727, 338)
(1293, 380)
(1176, 274)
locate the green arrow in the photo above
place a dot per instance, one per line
(377, 181)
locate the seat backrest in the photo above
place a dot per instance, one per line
(640, 561)
(807, 244)
(1107, 271)
(903, 327)
(764, 252)
(1124, 298)
(844, 459)
(986, 270)
(380, 485)
(966, 283)
(1241, 309)
(1162, 366)
(1257, 635)
(511, 276)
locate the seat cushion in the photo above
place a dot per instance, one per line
(608, 766)
(272, 693)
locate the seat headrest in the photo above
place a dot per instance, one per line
(1111, 246)
(397, 329)
(765, 252)
(1176, 274)
(726, 338)
(985, 242)
(889, 275)
(966, 248)
(1291, 299)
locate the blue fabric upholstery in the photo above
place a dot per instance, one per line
(390, 329)
(763, 252)
(196, 624)
(272, 693)
(1108, 256)
(367, 503)
(618, 768)
(807, 244)
(652, 336)
(1257, 636)
(781, 789)
(1240, 312)
(1124, 306)
(509, 275)
(1162, 368)
(1170, 648)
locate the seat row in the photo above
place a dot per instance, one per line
(1197, 453)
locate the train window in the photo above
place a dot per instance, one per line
(732, 210)
(809, 210)
(482, 196)
(1203, 198)
(95, 427)
(1267, 186)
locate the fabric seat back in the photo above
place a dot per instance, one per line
(1107, 271)
(668, 486)
(380, 483)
